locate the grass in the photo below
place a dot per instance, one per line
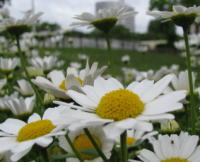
(139, 60)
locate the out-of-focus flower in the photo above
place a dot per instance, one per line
(34, 72)
(181, 81)
(3, 101)
(8, 64)
(47, 63)
(82, 142)
(180, 15)
(21, 106)
(17, 27)
(76, 65)
(2, 83)
(24, 88)
(125, 59)
(82, 56)
(59, 84)
(169, 126)
(105, 19)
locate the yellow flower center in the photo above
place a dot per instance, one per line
(63, 85)
(130, 141)
(175, 160)
(80, 80)
(82, 142)
(35, 129)
(120, 104)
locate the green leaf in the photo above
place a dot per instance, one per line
(91, 152)
(64, 156)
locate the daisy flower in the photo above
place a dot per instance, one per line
(75, 65)
(19, 26)
(125, 59)
(21, 106)
(82, 56)
(173, 148)
(8, 64)
(47, 63)
(5, 99)
(75, 79)
(81, 142)
(2, 83)
(105, 19)
(180, 15)
(24, 88)
(19, 137)
(136, 136)
(181, 81)
(125, 108)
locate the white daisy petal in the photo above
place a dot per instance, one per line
(157, 88)
(34, 117)
(44, 141)
(12, 126)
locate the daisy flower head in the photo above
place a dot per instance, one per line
(47, 63)
(173, 148)
(7, 65)
(170, 126)
(17, 27)
(19, 137)
(24, 88)
(82, 142)
(136, 136)
(107, 101)
(21, 106)
(5, 99)
(105, 19)
(125, 59)
(74, 79)
(181, 81)
(181, 16)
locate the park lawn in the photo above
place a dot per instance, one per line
(139, 60)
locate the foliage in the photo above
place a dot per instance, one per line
(165, 30)
(46, 26)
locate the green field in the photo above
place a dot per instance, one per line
(139, 60)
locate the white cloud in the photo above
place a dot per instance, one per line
(62, 11)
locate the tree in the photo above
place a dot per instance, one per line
(165, 30)
(46, 26)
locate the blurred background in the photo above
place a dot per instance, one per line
(58, 15)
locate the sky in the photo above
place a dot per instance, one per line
(62, 11)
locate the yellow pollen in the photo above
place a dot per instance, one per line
(80, 80)
(35, 129)
(120, 104)
(82, 142)
(63, 85)
(130, 141)
(175, 160)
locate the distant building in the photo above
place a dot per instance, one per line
(128, 22)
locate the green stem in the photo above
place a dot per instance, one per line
(188, 60)
(73, 148)
(44, 155)
(22, 59)
(87, 132)
(109, 49)
(124, 154)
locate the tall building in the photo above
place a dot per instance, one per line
(128, 22)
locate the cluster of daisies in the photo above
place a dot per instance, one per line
(85, 116)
